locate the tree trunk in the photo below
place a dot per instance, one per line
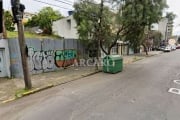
(101, 46)
(145, 48)
(4, 28)
(128, 49)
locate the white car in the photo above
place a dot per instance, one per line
(173, 47)
(167, 49)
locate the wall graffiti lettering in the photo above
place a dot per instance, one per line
(44, 55)
(64, 58)
(47, 60)
(40, 60)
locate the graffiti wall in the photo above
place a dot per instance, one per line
(64, 58)
(40, 60)
(43, 61)
(43, 55)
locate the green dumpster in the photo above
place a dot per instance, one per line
(112, 64)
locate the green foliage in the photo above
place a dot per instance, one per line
(44, 19)
(87, 16)
(9, 25)
(96, 22)
(33, 22)
(128, 21)
(140, 15)
(157, 37)
(11, 34)
(170, 16)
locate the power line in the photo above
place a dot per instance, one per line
(52, 4)
(64, 2)
(69, 1)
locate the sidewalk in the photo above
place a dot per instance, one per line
(11, 89)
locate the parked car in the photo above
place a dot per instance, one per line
(177, 47)
(161, 48)
(173, 47)
(167, 49)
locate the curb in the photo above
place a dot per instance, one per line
(36, 90)
(27, 93)
(82, 76)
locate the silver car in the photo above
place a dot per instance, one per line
(167, 49)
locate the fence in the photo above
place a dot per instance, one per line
(44, 55)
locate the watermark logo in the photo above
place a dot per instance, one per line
(92, 62)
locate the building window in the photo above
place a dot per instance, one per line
(69, 24)
(114, 50)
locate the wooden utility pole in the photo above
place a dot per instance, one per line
(22, 45)
(4, 27)
(18, 16)
(1, 17)
(2, 22)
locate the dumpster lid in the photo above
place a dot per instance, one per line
(113, 57)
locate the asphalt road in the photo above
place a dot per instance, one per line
(140, 92)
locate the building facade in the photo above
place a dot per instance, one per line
(66, 28)
(162, 27)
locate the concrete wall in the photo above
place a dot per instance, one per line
(5, 58)
(43, 55)
(66, 28)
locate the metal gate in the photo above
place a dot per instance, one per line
(2, 64)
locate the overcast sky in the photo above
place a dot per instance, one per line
(174, 6)
(34, 6)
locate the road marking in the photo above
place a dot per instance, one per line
(174, 91)
(177, 82)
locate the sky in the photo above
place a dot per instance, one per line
(174, 6)
(33, 6)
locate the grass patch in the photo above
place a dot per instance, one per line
(19, 93)
(136, 58)
(24, 92)
(31, 35)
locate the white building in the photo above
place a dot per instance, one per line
(165, 27)
(66, 28)
(162, 27)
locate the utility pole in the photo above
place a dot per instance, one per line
(2, 22)
(1, 17)
(18, 10)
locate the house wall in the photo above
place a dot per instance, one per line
(66, 28)
(124, 49)
(43, 55)
(5, 59)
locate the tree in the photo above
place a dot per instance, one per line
(126, 22)
(141, 15)
(170, 16)
(9, 25)
(97, 24)
(157, 37)
(44, 19)
(33, 22)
